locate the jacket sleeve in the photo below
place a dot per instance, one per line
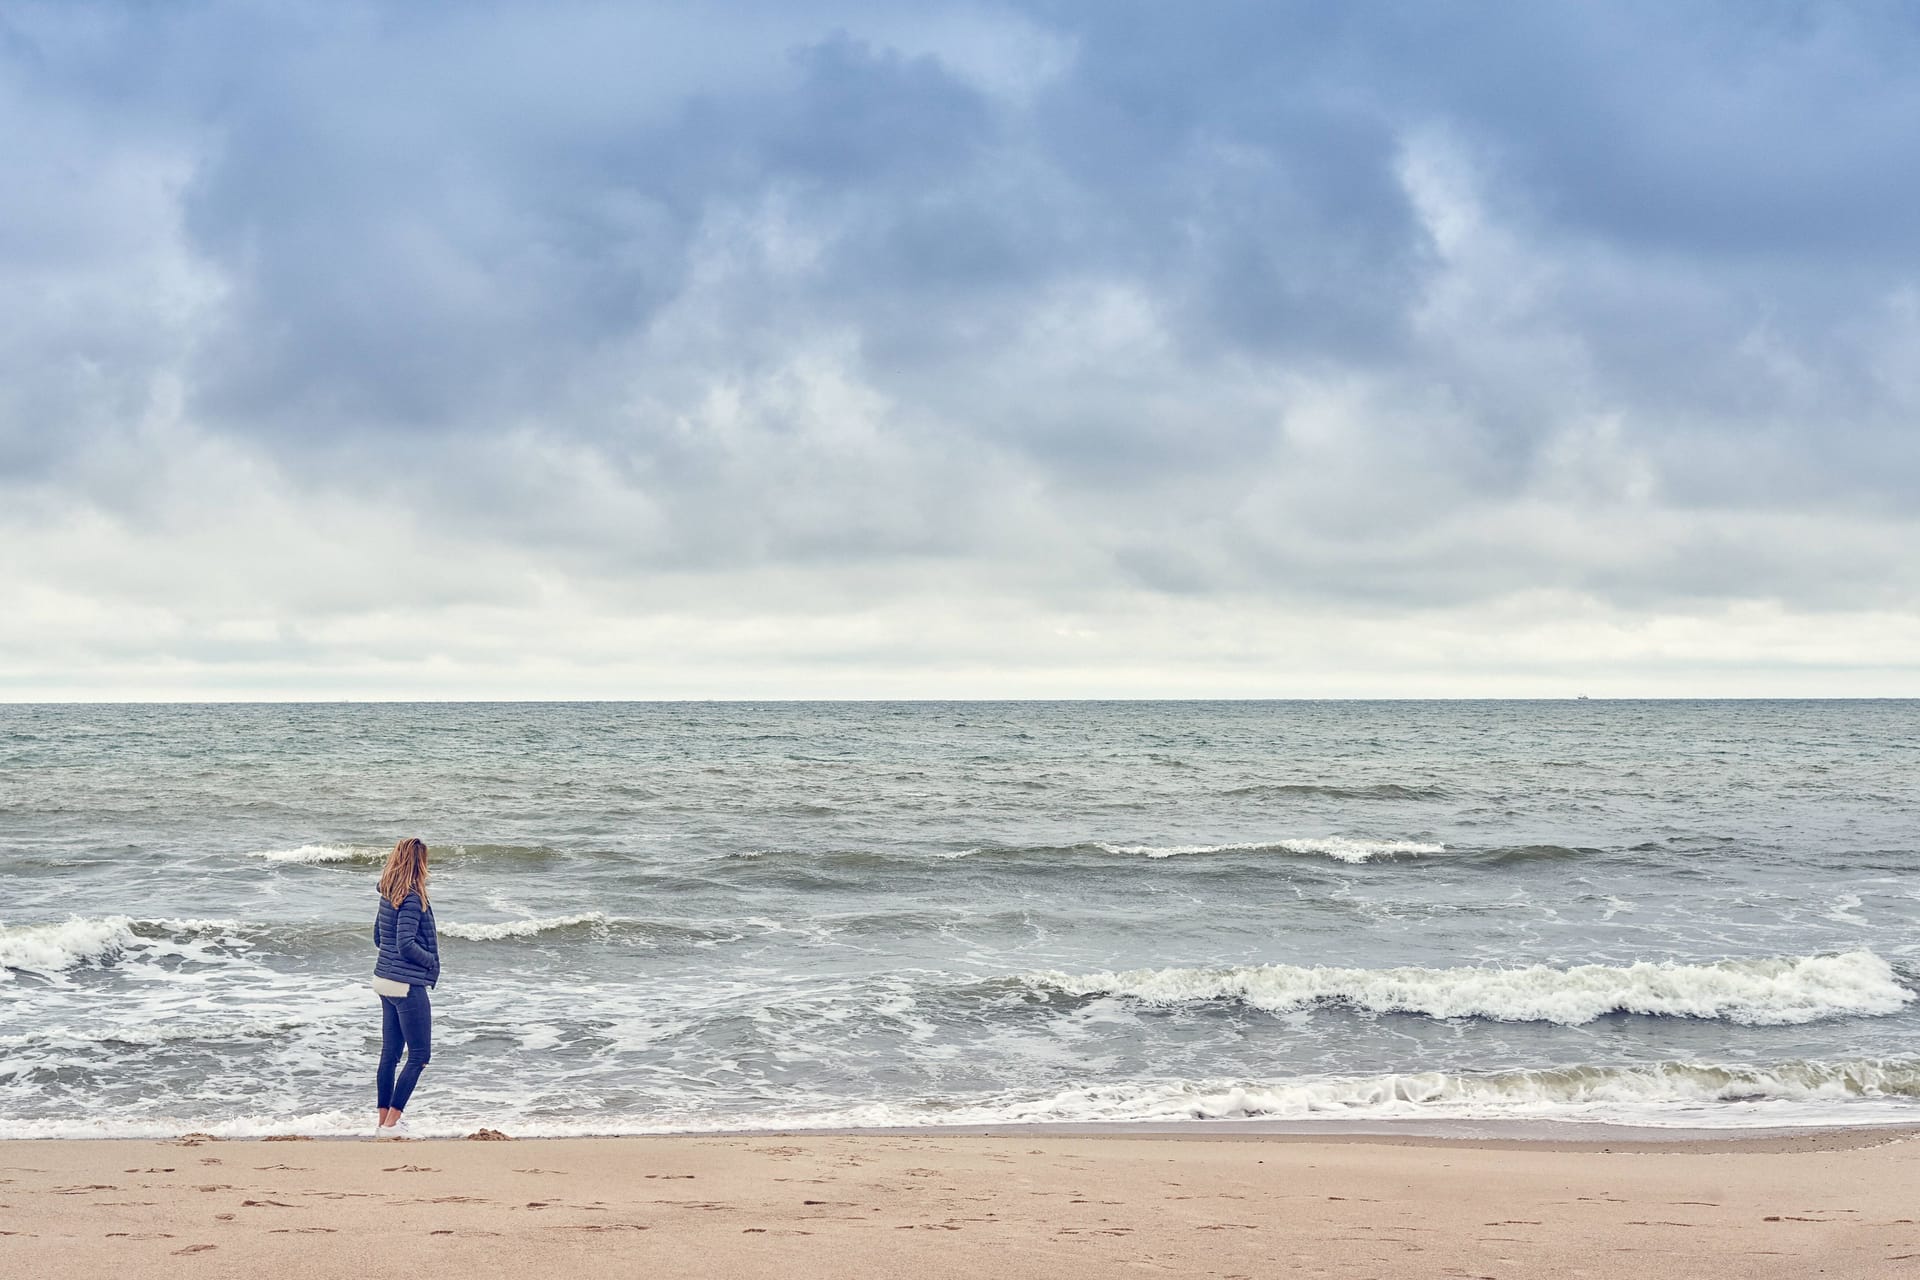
(406, 936)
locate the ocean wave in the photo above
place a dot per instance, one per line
(56, 947)
(1693, 1095)
(1531, 853)
(1625, 1093)
(53, 948)
(1376, 791)
(1779, 991)
(366, 854)
(323, 853)
(502, 930)
(1339, 848)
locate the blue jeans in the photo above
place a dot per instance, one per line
(405, 1022)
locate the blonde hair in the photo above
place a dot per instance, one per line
(406, 872)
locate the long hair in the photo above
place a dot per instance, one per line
(406, 872)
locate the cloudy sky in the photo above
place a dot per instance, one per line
(800, 348)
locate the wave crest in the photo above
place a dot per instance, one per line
(501, 930)
(329, 854)
(1779, 991)
(1339, 848)
(322, 853)
(52, 948)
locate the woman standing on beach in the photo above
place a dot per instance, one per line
(408, 963)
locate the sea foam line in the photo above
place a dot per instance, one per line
(1638, 1092)
(1339, 848)
(1777, 991)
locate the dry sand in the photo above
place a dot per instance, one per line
(936, 1205)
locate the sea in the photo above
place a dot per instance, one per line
(672, 917)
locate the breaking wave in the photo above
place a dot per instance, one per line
(1759, 992)
(330, 854)
(502, 930)
(57, 947)
(322, 853)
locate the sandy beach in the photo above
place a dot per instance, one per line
(936, 1205)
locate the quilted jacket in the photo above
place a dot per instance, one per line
(409, 947)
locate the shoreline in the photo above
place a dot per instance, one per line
(1548, 1134)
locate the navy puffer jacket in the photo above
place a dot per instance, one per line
(409, 948)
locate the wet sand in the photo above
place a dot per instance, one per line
(930, 1205)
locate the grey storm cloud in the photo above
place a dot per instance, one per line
(1410, 303)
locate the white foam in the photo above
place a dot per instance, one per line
(1845, 909)
(500, 930)
(192, 925)
(1759, 992)
(52, 948)
(1669, 1092)
(1661, 1094)
(319, 853)
(1339, 848)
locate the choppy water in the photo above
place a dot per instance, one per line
(713, 915)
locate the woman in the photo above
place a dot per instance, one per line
(409, 963)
